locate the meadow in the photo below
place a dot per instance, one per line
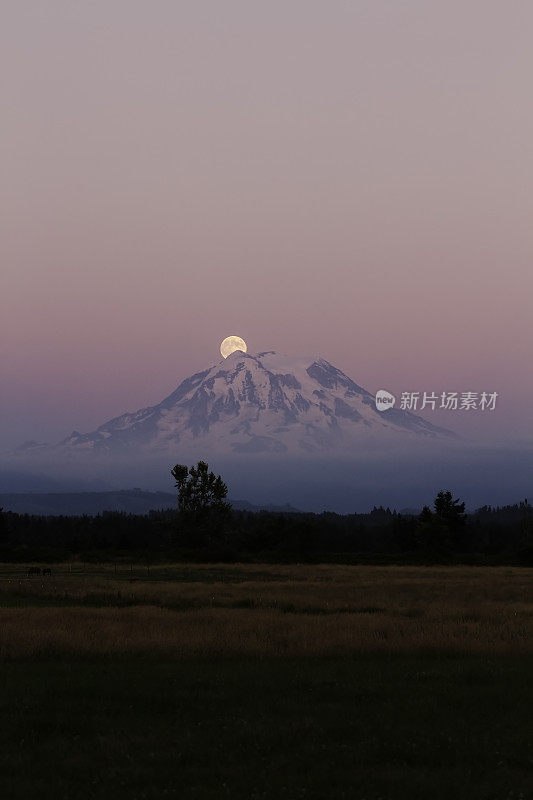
(254, 680)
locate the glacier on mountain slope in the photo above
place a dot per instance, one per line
(262, 403)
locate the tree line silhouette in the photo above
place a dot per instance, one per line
(204, 527)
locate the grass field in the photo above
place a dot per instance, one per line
(266, 681)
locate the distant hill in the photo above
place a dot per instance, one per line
(130, 501)
(17, 481)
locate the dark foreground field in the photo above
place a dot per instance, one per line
(267, 682)
(357, 728)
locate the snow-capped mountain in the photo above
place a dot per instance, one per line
(263, 403)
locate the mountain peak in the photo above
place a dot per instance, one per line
(266, 402)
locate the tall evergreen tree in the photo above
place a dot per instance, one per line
(448, 510)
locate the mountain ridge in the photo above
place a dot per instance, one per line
(126, 501)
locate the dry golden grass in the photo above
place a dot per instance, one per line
(186, 611)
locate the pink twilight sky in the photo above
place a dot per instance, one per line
(349, 179)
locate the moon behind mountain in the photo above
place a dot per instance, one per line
(232, 343)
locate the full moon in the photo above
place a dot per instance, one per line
(232, 343)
